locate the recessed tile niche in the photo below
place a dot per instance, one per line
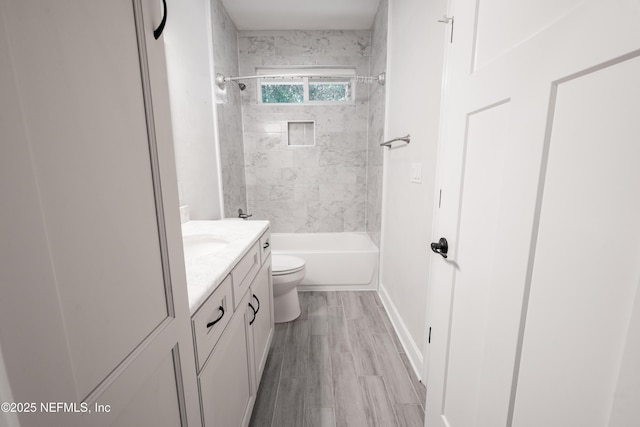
(301, 133)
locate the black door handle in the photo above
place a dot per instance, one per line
(254, 314)
(158, 31)
(210, 324)
(442, 247)
(257, 309)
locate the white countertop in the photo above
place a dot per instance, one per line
(206, 272)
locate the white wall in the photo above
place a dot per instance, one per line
(228, 111)
(415, 51)
(188, 51)
(7, 419)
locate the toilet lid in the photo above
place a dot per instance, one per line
(285, 264)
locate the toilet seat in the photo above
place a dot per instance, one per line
(285, 264)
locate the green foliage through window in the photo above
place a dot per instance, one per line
(305, 86)
(328, 91)
(282, 93)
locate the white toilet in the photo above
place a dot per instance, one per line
(287, 272)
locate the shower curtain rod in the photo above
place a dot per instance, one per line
(380, 78)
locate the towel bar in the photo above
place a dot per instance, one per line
(406, 139)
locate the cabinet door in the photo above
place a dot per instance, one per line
(262, 327)
(225, 384)
(91, 266)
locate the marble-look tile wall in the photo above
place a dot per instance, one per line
(376, 124)
(306, 188)
(225, 61)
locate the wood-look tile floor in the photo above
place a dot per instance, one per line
(339, 364)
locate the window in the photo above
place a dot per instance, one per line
(306, 90)
(282, 93)
(329, 91)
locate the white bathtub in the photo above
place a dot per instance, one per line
(334, 261)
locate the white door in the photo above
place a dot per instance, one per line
(532, 313)
(93, 305)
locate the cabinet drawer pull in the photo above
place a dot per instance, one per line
(210, 324)
(254, 295)
(254, 314)
(158, 31)
(266, 245)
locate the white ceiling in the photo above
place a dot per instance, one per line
(302, 14)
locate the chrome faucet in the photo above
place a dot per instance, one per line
(243, 215)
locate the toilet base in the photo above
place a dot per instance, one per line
(286, 307)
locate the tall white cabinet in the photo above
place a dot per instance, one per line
(93, 303)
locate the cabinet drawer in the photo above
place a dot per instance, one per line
(265, 246)
(244, 272)
(209, 321)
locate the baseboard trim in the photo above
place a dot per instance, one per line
(410, 347)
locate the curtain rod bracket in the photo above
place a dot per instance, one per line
(221, 81)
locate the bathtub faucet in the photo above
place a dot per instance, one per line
(243, 215)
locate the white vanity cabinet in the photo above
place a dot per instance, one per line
(232, 340)
(260, 325)
(226, 385)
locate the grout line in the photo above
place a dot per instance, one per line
(273, 414)
(413, 386)
(333, 386)
(393, 405)
(389, 327)
(392, 334)
(304, 400)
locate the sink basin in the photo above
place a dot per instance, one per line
(202, 244)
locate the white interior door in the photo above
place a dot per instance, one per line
(93, 302)
(532, 313)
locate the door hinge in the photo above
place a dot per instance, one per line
(440, 199)
(445, 20)
(429, 340)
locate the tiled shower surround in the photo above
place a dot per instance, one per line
(306, 188)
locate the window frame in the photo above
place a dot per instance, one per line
(305, 83)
